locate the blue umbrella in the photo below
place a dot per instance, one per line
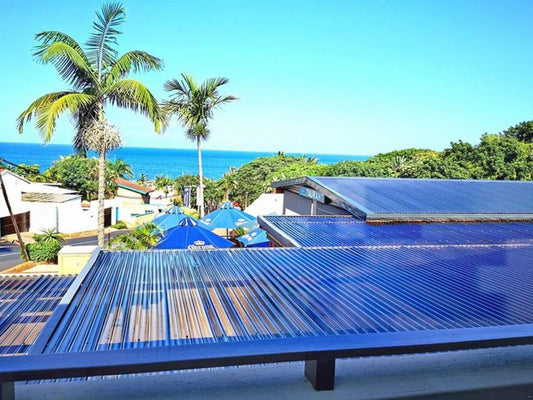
(172, 218)
(255, 238)
(227, 217)
(188, 235)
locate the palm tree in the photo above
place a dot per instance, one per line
(143, 178)
(194, 104)
(228, 182)
(121, 169)
(143, 237)
(163, 182)
(97, 78)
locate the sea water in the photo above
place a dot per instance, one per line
(154, 161)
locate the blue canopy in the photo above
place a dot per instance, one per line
(255, 238)
(188, 235)
(227, 217)
(172, 217)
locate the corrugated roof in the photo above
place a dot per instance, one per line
(26, 303)
(48, 197)
(157, 298)
(311, 231)
(394, 198)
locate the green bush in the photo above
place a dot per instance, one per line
(43, 251)
(120, 225)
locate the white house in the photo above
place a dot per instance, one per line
(40, 206)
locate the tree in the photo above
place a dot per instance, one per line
(143, 237)
(194, 105)
(121, 169)
(97, 77)
(143, 178)
(163, 182)
(522, 131)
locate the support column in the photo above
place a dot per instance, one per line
(7, 391)
(321, 373)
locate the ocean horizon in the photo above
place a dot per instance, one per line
(155, 161)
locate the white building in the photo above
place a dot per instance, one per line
(41, 206)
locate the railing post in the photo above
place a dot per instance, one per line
(7, 391)
(321, 373)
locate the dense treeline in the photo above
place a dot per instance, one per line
(506, 155)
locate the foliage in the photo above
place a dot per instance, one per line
(81, 174)
(522, 131)
(120, 225)
(98, 77)
(194, 105)
(164, 183)
(46, 246)
(121, 169)
(143, 237)
(255, 177)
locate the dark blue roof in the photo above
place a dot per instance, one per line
(394, 198)
(310, 231)
(158, 298)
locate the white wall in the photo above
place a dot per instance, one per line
(266, 204)
(14, 186)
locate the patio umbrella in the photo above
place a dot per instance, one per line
(227, 217)
(172, 218)
(188, 235)
(255, 238)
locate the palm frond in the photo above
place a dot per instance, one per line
(33, 108)
(49, 37)
(101, 43)
(199, 130)
(131, 94)
(47, 114)
(135, 61)
(70, 63)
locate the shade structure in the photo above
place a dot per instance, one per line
(189, 235)
(255, 238)
(227, 217)
(172, 217)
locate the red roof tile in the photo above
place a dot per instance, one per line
(127, 184)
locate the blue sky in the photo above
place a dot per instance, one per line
(339, 77)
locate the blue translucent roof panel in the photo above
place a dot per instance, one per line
(431, 196)
(345, 231)
(26, 303)
(173, 298)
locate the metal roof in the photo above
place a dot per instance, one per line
(395, 198)
(26, 303)
(311, 231)
(179, 297)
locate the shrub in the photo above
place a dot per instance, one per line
(43, 251)
(120, 225)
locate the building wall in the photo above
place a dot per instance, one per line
(266, 204)
(294, 204)
(130, 197)
(14, 186)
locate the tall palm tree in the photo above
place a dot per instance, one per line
(194, 105)
(97, 78)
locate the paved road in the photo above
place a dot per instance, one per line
(10, 254)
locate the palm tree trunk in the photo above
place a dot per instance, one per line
(201, 175)
(101, 195)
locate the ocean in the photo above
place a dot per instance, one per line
(154, 161)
